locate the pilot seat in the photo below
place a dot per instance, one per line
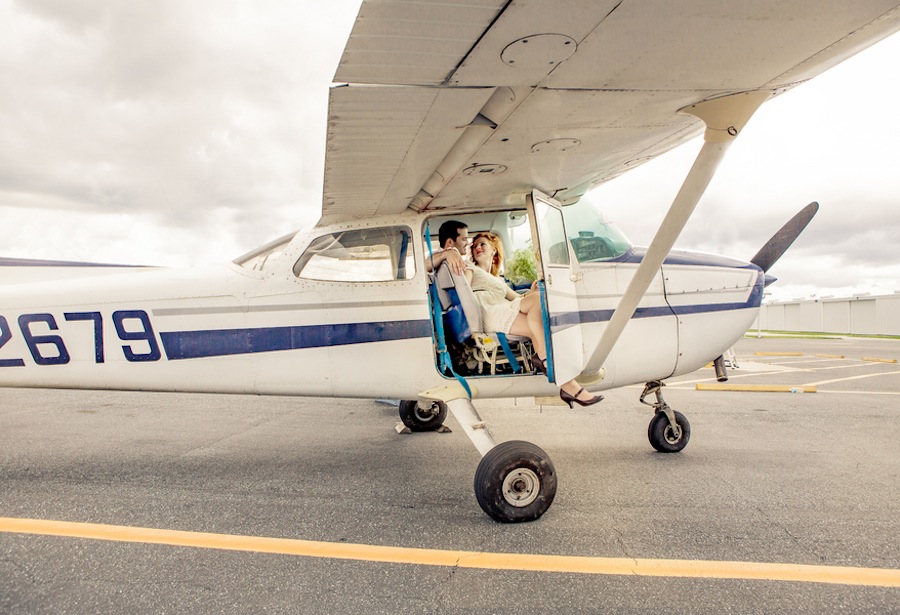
(471, 348)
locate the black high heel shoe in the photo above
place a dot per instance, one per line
(539, 365)
(569, 399)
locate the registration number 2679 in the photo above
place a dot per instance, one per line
(47, 348)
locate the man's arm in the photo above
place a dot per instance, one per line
(453, 258)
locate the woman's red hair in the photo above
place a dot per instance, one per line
(497, 261)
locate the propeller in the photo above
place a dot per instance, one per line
(782, 240)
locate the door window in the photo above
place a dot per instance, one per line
(553, 233)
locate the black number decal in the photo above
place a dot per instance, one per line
(36, 341)
(98, 330)
(145, 335)
(5, 336)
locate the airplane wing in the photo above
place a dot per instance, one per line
(456, 103)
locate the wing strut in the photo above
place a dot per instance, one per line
(724, 117)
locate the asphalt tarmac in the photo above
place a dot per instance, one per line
(770, 483)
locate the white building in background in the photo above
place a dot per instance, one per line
(861, 314)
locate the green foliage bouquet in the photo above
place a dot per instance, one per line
(522, 267)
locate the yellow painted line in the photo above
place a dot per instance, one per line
(778, 354)
(831, 356)
(757, 388)
(879, 360)
(698, 569)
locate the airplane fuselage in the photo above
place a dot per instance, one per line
(266, 330)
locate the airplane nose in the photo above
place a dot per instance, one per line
(770, 279)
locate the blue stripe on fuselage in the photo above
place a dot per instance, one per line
(215, 343)
(568, 319)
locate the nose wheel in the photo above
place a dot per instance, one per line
(669, 430)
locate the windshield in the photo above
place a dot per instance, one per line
(256, 260)
(593, 237)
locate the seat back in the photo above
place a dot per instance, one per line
(462, 315)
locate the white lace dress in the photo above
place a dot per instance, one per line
(497, 312)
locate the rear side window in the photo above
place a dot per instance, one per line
(363, 255)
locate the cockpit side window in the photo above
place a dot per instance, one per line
(362, 255)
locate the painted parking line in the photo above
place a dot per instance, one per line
(801, 361)
(852, 378)
(858, 393)
(847, 365)
(755, 388)
(757, 369)
(698, 569)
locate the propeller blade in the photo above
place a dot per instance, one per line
(782, 240)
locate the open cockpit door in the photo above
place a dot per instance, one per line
(559, 276)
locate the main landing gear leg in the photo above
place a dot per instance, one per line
(669, 430)
(515, 481)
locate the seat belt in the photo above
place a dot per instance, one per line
(504, 346)
(444, 363)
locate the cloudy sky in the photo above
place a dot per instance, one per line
(178, 133)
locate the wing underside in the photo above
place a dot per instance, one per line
(451, 104)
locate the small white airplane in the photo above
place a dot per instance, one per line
(500, 114)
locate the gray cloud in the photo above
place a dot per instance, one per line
(173, 109)
(177, 132)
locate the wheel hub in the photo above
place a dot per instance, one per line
(425, 414)
(673, 434)
(521, 487)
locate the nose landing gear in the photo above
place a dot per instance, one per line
(669, 430)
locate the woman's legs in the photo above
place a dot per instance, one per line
(530, 323)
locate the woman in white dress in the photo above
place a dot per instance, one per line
(506, 311)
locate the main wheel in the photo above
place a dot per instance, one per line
(515, 482)
(422, 419)
(664, 438)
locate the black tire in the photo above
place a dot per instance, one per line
(422, 419)
(663, 438)
(515, 482)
